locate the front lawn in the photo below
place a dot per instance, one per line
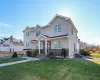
(52, 70)
(6, 60)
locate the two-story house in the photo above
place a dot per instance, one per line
(59, 33)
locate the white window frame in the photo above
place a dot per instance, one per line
(38, 33)
(55, 28)
(57, 45)
(59, 28)
(27, 33)
(27, 44)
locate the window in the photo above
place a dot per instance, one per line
(57, 44)
(27, 44)
(27, 33)
(55, 28)
(38, 33)
(59, 28)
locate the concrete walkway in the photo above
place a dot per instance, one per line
(17, 62)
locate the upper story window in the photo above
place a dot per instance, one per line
(38, 33)
(27, 33)
(57, 28)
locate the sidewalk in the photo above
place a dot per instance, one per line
(17, 62)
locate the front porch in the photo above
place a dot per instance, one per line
(46, 44)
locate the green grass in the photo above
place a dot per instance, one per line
(95, 55)
(6, 60)
(52, 70)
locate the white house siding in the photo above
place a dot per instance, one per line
(6, 49)
(15, 48)
(33, 45)
(64, 43)
(72, 41)
(49, 31)
(78, 48)
(18, 48)
(27, 39)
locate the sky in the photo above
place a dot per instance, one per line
(15, 15)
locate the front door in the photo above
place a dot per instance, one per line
(43, 46)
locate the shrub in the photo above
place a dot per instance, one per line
(35, 52)
(28, 53)
(83, 52)
(51, 55)
(14, 55)
(64, 52)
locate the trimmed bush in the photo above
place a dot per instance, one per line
(35, 52)
(83, 52)
(64, 52)
(14, 55)
(51, 55)
(28, 53)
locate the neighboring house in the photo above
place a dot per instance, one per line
(82, 45)
(59, 33)
(11, 44)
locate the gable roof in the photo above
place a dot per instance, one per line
(57, 15)
(65, 18)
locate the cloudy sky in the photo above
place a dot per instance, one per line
(15, 15)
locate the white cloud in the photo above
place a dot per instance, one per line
(4, 25)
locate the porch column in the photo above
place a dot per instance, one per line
(45, 46)
(39, 46)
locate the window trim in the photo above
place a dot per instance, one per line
(57, 45)
(38, 33)
(59, 28)
(55, 29)
(27, 44)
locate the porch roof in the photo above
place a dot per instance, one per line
(51, 37)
